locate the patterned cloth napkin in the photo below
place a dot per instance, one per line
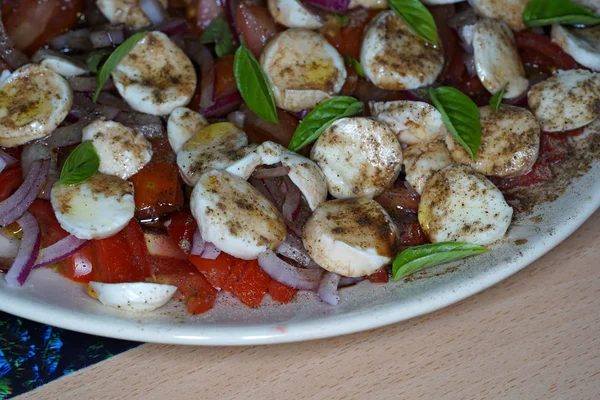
(33, 354)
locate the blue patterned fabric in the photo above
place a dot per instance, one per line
(33, 354)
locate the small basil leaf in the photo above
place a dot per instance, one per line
(253, 84)
(546, 12)
(496, 99)
(417, 17)
(356, 65)
(218, 33)
(81, 165)
(321, 117)
(417, 258)
(460, 115)
(114, 59)
(95, 58)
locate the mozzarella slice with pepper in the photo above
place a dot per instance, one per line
(137, 296)
(510, 142)
(581, 44)
(293, 14)
(350, 237)
(156, 76)
(308, 177)
(412, 121)
(568, 100)
(234, 216)
(359, 157)
(96, 209)
(303, 69)
(459, 204)
(422, 160)
(58, 63)
(440, 2)
(182, 125)
(497, 59)
(126, 12)
(369, 4)
(122, 152)
(33, 102)
(393, 58)
(509, 11)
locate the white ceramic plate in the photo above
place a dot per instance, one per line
(51, 299)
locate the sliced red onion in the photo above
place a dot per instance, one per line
(259, 185)
(338, 6)
(237, 117)
(328, 288)
(6, 160)
(223, 106)
(198, 244)
(203, 57)
(28, 251)
(291, 206)
(60, 250)
(136, 118)
(67, 135)
(210, 251)
(275, 191)
(72, 40)
(9, 247)
(87, 83)
(107, 99)
(109, 112)
(301, 114)
(13, 207)
(266, 173)
(520, 101)
(230, 7)
(293, 249)
(154, 10)
(299, 278)
(32, 152)
(172, 27)
(347, 281)
(469, 60)
(112, 36)
(11, 55)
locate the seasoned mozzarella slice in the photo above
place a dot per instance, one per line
(96, 209)
(235, 216)
(369, 4)
(126, 12)
(394, 58)
(303, 69)
(566, 101)
(122, 153)
(412, 121)
(510, 142)
(459, 204)
(422, 160)
(509, 11)
(497, 59)
(359, 157)
(293, 14)
(33, 102)
(440, 2)
(308, 177)
(137, 296)
(350, 237)
(58, 63)
(581, 44)
(182, 125)
(156, 76)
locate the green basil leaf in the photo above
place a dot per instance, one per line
(94, 59)
(253, 84)
(496, 99)
(218, 33)
(460, 115)
(81, 165)
(342, 19)
(417, 258)
(356, 65)
(321, 117)
(114, 59)
(547, 12)
(417, 17)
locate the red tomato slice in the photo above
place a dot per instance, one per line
(80, 266)
(51, 229)
(234, 277)
(215, 271)
(225, 80)
(10, 181)
(256, 25)
(530, 44)
(280, 292)
(197, 293)
(379, 276)
(181, 228)
(253, 285)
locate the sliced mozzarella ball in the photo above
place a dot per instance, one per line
(126, 12)
(593, 128)
(394, 58)
(422, 160)
(293, 14)
(369, 4)
(303, 69)
(138, 296)
(581, 44)
(122, 152)
(510, 142)
(497, 59)
(33, 102)
(58, 63)
(96, 209)
(509, 11)
(568, 100)
(359, 157)
(156, 76)
(183, 123)
(350, 237)
(234, 216)
(308, 177)
(412, 121)
(459, 204)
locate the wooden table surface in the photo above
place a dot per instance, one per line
(535, 335)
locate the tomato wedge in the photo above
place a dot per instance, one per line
(281, 293)
(10, 181)
(198, 295)
(80, 266)
(52, 232)
(255, 24)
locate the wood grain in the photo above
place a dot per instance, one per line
(534, 336)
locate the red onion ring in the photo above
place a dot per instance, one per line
(203, 57)
(67, 135)
(328, 288)
(237, 117)
(267, 173)
(230, 7)
(222, 106)
(87, 83)
(28, 251)
(210, 251)
(293, 249)
(72, 40)
(60, 250)
(172, 27)
(6, 160)
(291, 205)
(198, 244)
(112, 36)
(298, 278)
(338, 6)
(154, 10)
(16, 205)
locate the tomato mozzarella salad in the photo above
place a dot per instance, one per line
(155, 149)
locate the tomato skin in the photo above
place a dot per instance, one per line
(348, 39)
(10, 181)
(181, 228)
(411, 234)
(281, 293)
(80, 266)
(43, 212)
(225, 83)
(260, 131)
(253, 284)
(399, 198)
(215, 271)
(379, 276)
(531, 45)
(195, 290)
(168, 265)
(255, 25)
